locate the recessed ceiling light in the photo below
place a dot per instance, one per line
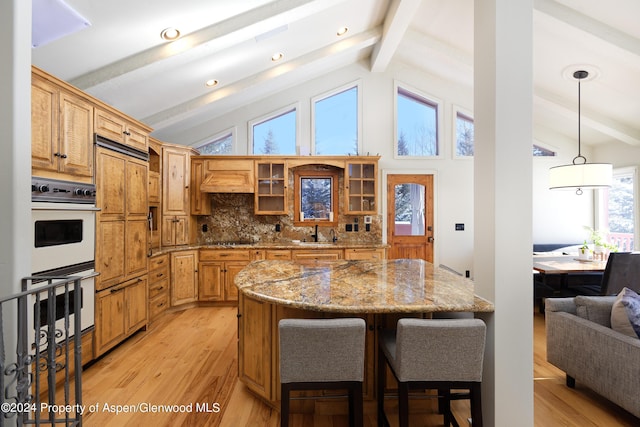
(277, 56)
(170, 34)
(211, 83)
(342, 31)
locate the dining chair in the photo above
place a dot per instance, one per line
(622, 270)
(433, 354)
(320, 354)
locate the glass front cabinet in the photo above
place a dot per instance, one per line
(271, 186)
(360, 188)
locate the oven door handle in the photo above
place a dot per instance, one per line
(62, 207)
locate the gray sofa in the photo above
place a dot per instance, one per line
(580, 341)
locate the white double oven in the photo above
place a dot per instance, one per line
(63, 226)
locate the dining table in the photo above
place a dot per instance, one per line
(554, 274)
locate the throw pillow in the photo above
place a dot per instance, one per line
(625, 313)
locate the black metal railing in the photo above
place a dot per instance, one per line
(45, 353)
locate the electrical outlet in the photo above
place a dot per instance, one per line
(367, 219)
(348, 227)
(355, 227)
(367, 227)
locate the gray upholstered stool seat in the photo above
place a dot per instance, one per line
(440, 354)
(318, 354)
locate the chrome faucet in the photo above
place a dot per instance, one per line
(332, 233)
(315, 236)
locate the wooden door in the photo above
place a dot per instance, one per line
(410, 217)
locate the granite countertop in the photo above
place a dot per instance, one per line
(274, 245)
(371, 286)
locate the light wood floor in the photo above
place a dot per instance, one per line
(190, 357)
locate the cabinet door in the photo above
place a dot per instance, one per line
(360, 188)
(110, 325)
(232, 268)
(110, 252)
(254, 345)
(136, 246)
(271, 185)
(110, 184)
(200, 201)
(210, 281)
(136, 296)
(109, 126)
(44, 125)
(137, 188)
(175, 182)
(76, 135)
(154, 187)
(184, 279)
(181, 230)
(137, 138)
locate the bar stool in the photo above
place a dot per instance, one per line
(320, 354)
(441, 354)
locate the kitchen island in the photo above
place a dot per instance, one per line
(378, 291)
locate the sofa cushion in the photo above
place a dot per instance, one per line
(595, 308)
(625, 313)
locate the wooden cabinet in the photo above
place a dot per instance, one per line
(120, 311)
(200, 200)
(271, 185)
(159, 275)
(118, 129)
(184, 277)
(255, 332)
(62, 132)
(278, 254)
(362, 253)
(121, 223)
(175, 196)
(217, 272)
(227, 175)
(360, 187)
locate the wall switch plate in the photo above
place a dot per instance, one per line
(355, 227)
(348, 227)
(367, 219)
(459, 227)
(367, 227)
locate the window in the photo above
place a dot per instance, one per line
(275, 134)
(219, 145)
(464, 135)
(316, 197)
(417, 125)
(539, 151)
(618, 209)
(336, 123)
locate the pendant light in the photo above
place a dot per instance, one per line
(580, 174)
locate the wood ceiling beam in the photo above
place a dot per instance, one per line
(396, 23)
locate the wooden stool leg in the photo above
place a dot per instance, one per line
(284, 405)
(357, 406)
(403, 404)
(476, 404)
(381, 386)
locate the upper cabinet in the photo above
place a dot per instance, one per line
(360, 187)
(271, 185)
(62, 132)
(120, 130)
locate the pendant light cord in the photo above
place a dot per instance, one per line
(579, 75)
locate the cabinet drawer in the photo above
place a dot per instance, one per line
(317, 255)
(225, 254)
(158, 274)
(159, 287)
(365, 254)
(158, 261)
(158, 305)
(278, 254)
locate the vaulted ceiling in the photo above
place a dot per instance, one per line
(121, 59)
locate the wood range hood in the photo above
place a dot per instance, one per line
(228, 182)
